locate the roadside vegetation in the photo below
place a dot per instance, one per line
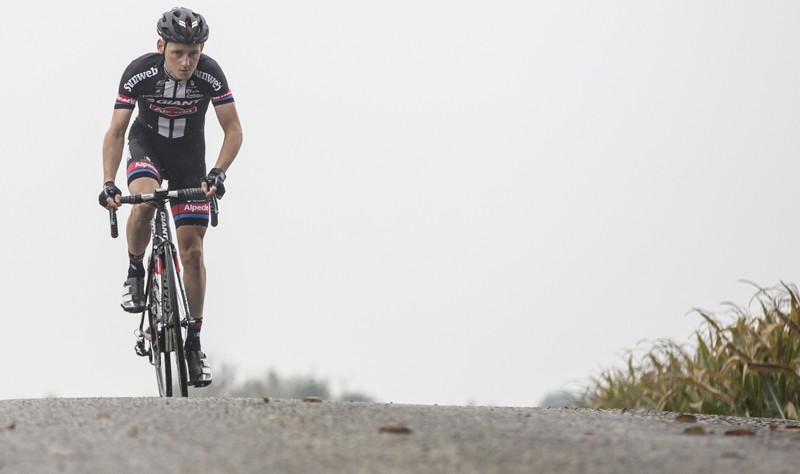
(738, 363)
(271, 385)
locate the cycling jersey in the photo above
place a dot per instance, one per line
(167, 139)
(173, 109)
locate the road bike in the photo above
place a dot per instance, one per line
(167, 310)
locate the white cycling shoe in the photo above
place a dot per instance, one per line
(199, 370)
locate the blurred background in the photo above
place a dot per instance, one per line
(436, 202)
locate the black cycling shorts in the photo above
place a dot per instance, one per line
(180, 161)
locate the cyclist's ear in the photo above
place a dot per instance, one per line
(161, 45)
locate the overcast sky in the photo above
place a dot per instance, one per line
(436, 201)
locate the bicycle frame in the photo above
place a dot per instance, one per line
(164, 309)
(167, 309)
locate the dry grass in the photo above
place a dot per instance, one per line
(747, 366)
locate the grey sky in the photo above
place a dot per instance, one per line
(436, 201)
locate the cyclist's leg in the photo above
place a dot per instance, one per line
(144, 175)
(191, 220)
(138, 226)
(186, 168)
(190, 243)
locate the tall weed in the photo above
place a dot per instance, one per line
(739, 364)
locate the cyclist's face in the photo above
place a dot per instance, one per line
(180, 59)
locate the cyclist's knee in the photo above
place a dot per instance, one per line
(192, 255)
(142, 185)
(142, 213)
(190, 243)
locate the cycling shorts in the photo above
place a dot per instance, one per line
(179, 161)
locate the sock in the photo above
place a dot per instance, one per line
(136, 267)
(193, 335)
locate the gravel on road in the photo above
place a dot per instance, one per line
(230, 435)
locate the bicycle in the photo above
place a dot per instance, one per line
(167, 309)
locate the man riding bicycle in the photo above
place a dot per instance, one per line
(173, 89)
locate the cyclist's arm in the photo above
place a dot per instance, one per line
(229, 121)
(114, 143)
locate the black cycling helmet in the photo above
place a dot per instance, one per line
(182, 25)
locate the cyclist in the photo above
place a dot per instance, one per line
(173, 88)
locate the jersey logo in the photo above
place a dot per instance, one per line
(215, 83)
(139, 77)
(173, 111)
(224, 97)
(121, 99)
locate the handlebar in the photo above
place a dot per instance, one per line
(112, 220)
(163, 195)
(214, 211)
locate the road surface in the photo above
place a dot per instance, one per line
(216, 435)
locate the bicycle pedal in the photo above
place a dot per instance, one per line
(141, 350)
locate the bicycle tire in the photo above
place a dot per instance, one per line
(176, 319)
(168, 374)
(159, 357)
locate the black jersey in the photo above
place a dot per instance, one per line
(173, 109)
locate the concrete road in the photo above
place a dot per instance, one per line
(291, 436)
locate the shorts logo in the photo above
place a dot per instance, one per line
(142, 164)
(195, 208)
(172, 111)
(181, 210)
(142, 168)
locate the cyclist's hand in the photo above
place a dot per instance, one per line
(214, 183)
(109, 196)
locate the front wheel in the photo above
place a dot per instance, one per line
(165, 333)
(176, 316)
(156, 332)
